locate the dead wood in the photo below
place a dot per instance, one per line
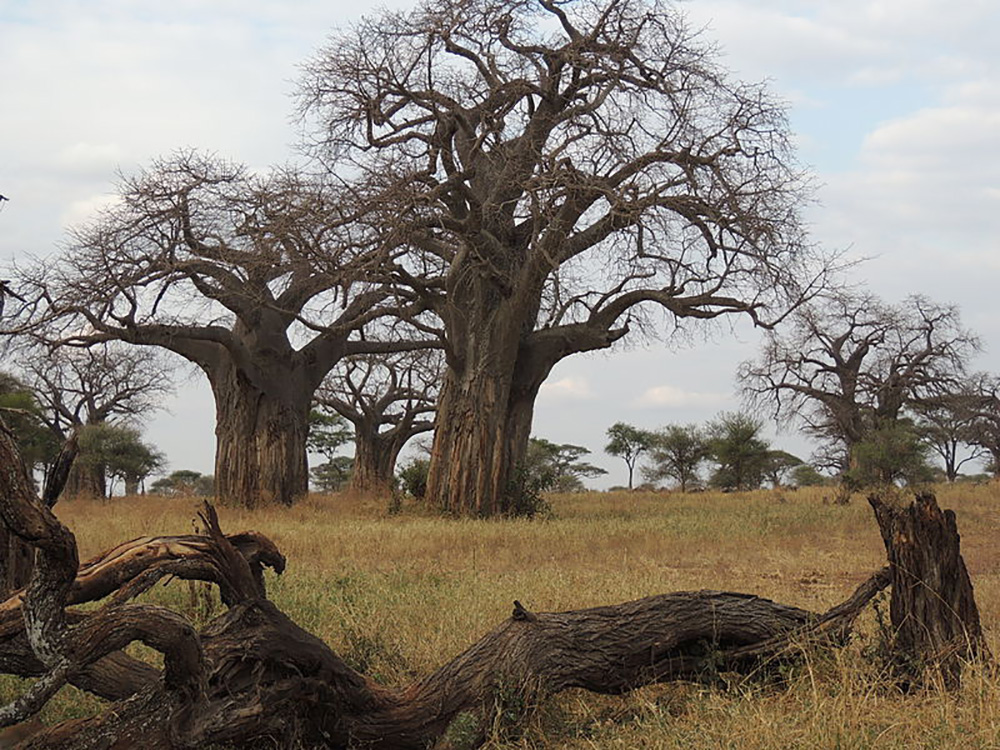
(933, 613)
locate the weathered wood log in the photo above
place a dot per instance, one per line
(933, 613)
(269, 678)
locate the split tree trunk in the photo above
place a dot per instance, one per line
(260, 455)
(933, 611)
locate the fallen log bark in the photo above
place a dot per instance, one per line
(253, 676)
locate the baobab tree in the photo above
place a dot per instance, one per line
(984, 412)
(562, 173)
(90, 386)
(849, 364)
(213, 263)
(389, 399)
(946, 423)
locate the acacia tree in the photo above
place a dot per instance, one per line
(741, 455)
(562, 173)
(214, 264)
(628, 443)
(676, 453)
(558, 467)
(946, 424)
(389, 399)
(847, 365)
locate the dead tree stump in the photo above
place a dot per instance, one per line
(933, 612)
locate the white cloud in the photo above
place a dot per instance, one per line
(97, 159)
(569, 388)
(80, 211)
(860, 42)
(930, 175)
(670, 396)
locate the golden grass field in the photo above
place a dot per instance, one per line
(398, 595)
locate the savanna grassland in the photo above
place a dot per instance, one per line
(398, 595)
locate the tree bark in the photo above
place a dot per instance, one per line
(260, 432)
(374, 461)
(933, 613)
(16, 555)
(487, 403)
(86, 482)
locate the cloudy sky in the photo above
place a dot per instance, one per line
(895, 105)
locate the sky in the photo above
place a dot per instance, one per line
(894, 105)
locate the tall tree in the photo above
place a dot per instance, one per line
(849, 364)
(217, 265)
(558, 467)
(676, 453)
(389, 399)
(562, 173)
(984, 430)
(628, 443)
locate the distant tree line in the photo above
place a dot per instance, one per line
(731, 448)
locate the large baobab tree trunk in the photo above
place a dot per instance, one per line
(471, 459)
(87, 481)
(374, 462)
(253, 675)
(261, 432)
(935, 621)
(474, 451)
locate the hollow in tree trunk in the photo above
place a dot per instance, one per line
(933, 613)
(260, 455)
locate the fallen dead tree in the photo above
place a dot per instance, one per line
(252, 674)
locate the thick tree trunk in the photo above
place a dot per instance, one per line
(86, 482)
(260, 455)
(374, 463)
(16, 556)
(935, 621)
(485, 414)
(471, 461)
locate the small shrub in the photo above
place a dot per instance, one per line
(523, 497)
(413, 478)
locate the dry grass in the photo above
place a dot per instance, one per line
(398, 595)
